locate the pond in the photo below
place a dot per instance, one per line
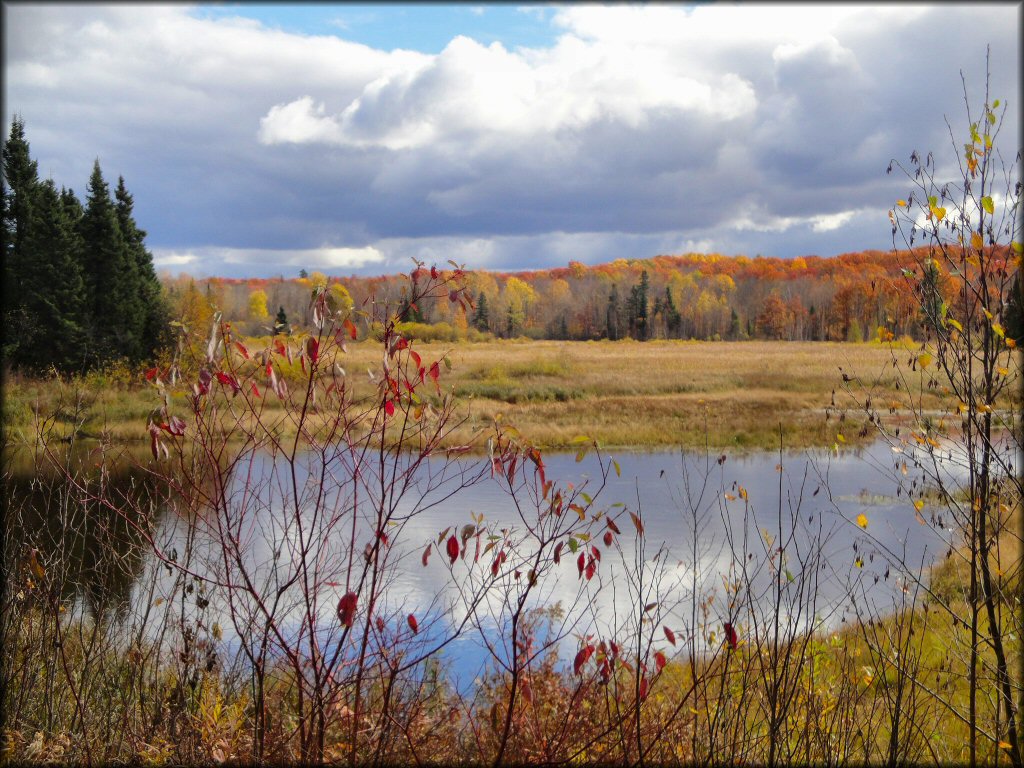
(836, 524)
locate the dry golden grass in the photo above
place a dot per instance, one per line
(623, 394)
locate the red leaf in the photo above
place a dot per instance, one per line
(312, 349)
(151, 373)
(558, 552)
(414, 356)
(351, 328)
(426, 555)
(389, 408)
(637, 524)
(597, 553)
(659, 661)
(608, 538)
(730, 635)
(591, 567)
(453, 549)
(255, 390)
(581, 658)
(413, 624)
(643, 688)
(497, 563)
(453, 296)
(612, 526)
(581, 562)
(433, 272)
(380, 624)
(401, 344)
(242, 349)
(347, 608)
(435, 372)
(177, 426)
(669, 635)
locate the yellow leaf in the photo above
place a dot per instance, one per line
(1005, 745)
(938, 213)
(862, 520)
(1003, 371)
(925, 360)
(743, 493)
(986, 202)
(859, 562)
(955, 324)
(963, 408)
(977, 241)
(1011, 343)
(998, 330)
(919, 505)
(730, 497)
(840, 438)
(1017, 247)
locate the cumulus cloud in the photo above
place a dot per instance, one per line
(764, 128)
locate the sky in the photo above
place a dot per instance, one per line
(259, 140)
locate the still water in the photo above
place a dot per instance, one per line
(842, 520)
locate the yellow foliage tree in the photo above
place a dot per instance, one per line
(258, 305)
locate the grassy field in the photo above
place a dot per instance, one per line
(623, 394)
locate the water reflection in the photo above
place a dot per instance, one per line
(87, 533)
(708, 521)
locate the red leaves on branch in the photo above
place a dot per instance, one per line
(229, 380)
(453, 549)
(347, 609)
(433, 272)
(659, 661)
(413, 624)
(582, 658)
(389, 407)
(497, 563)
(730, 635)
(669, 635)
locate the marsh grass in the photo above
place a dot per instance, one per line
(624, 394)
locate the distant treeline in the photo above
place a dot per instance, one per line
(79, 287)
(694, 296)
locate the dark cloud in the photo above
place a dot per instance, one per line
(756, 129)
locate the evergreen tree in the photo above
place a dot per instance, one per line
(673, 320)
(734, 324)
(53, 292)
(642, 323)
(154, 314)
(20, 187)
(281, 322)
(481, 318)
(612, 315)
(111, 278)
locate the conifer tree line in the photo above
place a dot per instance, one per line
(80, 290)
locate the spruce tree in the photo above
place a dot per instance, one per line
(154, 315)
(111, 279)
(53, 291)
(20, 188)
(481, 318)
(612, 315)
